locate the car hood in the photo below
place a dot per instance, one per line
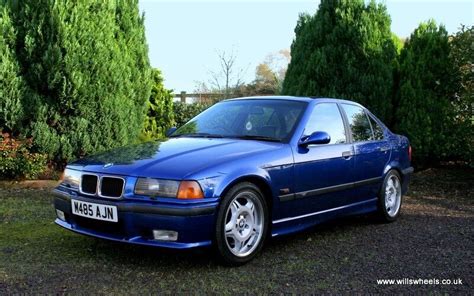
(175, 158)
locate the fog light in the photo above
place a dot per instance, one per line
(60, 215)
(165, 235)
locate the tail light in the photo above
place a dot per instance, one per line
(409, 152)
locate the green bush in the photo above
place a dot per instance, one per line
(16, 160)
(159, 116)
(346, 50)
(85, 65)
(185, 112)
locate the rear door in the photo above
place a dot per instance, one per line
(371, 151)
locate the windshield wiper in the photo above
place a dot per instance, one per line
(244, 137)
(257, 137)
(198, 135)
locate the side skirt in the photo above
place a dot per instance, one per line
(298, 223)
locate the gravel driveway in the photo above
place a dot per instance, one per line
(432, 240)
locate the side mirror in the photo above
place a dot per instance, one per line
(315, 139)
(170, 131)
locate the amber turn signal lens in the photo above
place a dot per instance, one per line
(190, 190)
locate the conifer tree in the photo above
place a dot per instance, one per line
(12, 85)
(345, 51)
(427, 86)
(86, 63)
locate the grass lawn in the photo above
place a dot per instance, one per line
(432, 239)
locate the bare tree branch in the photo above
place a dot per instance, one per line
(227, 78)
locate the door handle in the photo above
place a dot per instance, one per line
(347, 154)
(384, 149)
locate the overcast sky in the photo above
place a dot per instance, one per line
(183, 36)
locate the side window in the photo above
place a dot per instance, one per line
(327, 118)
(378, 131)
(358, 122)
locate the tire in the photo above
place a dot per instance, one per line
(242, 224)
(390, 197)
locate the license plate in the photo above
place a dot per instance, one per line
(94, 211)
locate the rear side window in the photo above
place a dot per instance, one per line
(377, 129)
(327, 118)
(359, 123)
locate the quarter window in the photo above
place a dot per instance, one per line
(358, 122)
(378, 131)
(327, 118)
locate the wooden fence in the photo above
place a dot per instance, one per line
(198, 97)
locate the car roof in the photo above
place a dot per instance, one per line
(294, 98)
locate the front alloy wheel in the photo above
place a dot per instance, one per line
(241, 224)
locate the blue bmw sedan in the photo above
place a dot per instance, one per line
(243, 170)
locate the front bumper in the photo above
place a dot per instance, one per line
(195, 224)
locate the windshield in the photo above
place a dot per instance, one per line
(267, 120)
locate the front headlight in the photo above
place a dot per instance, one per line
(156, 187)
(71, 178)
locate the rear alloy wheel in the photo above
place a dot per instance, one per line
(390, 197)
(241, 224)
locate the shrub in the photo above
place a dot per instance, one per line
(16, 160)
(159, 116)
(185, 112)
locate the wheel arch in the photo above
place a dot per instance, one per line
(258, 181)
(393, 165)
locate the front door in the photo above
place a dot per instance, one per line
(323, 173)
